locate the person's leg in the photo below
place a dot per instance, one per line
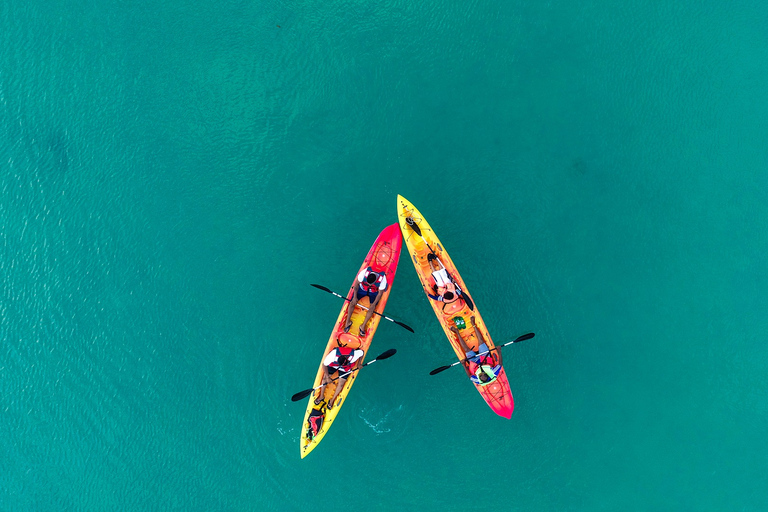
(321, 389)
(496, 353)
(464, 346)
(480, 339)
(433, 263)
(441, 278)
(371, 309)
(439, 274)
(339, 387)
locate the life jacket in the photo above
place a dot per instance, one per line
(486, 366)
(372, 288)
(342, 351)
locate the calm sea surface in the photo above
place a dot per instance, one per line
(174, 175)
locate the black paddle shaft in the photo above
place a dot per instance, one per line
(519, 338)
(384, 355)
(385, 317)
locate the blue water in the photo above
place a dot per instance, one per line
(174, 176)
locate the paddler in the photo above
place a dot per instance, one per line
(445, 289)
(341, 360)
(484, 365)
(369, 284)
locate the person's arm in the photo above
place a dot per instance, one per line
(330, 358)
(383, 282)
(356, 354)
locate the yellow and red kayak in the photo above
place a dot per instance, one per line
(382, 257)
(422, 241)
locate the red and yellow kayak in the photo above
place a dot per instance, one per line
(421, 241)
(382, 257)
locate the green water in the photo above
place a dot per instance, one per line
(174, 176)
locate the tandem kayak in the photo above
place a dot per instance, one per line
(382, 258)
(427, 253)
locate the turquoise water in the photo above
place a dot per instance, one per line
(175, 176)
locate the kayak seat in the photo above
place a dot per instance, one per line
(347, 339)
(421, 254)
(454, 307)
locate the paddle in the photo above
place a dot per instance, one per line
(416, 229)
(302, 394)
(401, 324)
(521, 338)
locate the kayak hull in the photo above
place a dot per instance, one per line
(383, 256)
(497, 394)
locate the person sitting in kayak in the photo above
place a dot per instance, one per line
(340, 360)
(369, 284)
(445, 289)
(483, 366)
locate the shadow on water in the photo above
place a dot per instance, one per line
(45, 148)
(56, 150)
(579, 167)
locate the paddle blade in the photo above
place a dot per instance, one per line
(322, 288)
(413, 225)
(401, 324)
(438, 370)
(519, 338)
(469, 302)
(524, 337)
(301, 394)
(388, 353)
